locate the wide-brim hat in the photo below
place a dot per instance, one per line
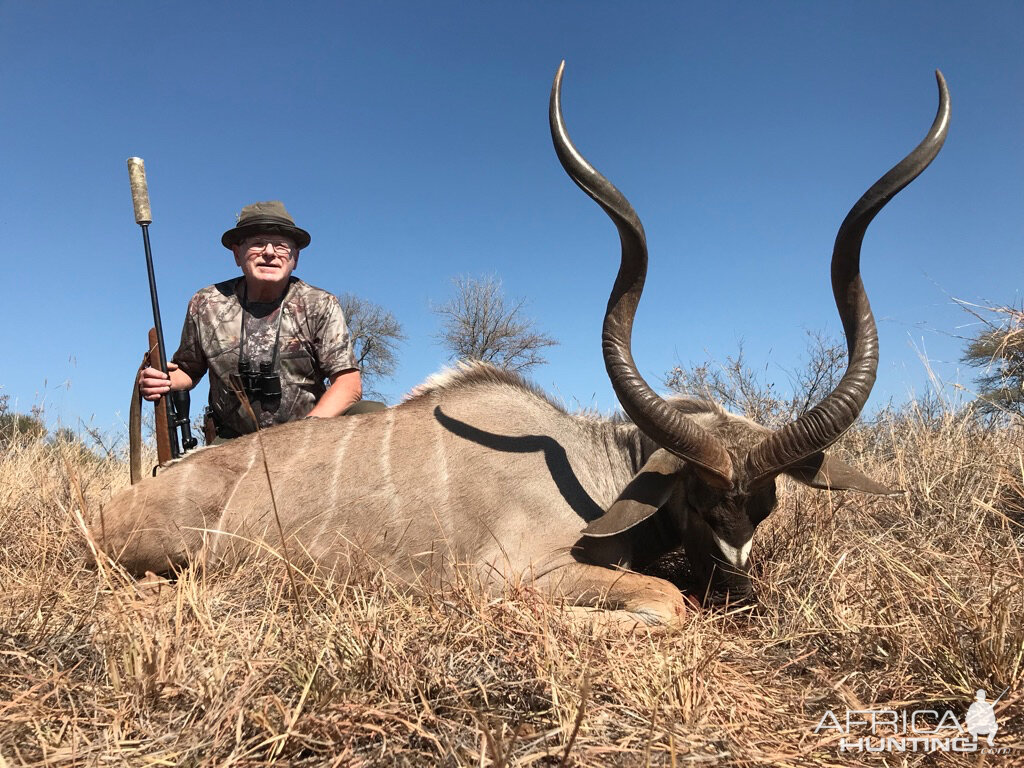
(264, 218)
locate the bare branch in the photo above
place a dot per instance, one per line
(742, 389)
(820, 374)
(376, 334)
(478, 323)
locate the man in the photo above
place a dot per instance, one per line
(266, 336)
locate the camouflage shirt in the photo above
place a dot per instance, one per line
(314, 344)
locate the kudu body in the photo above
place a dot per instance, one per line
(479, 468)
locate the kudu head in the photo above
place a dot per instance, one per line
(715, 473)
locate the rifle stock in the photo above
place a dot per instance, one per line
(164, 431)
(135, 418)
(135, 426)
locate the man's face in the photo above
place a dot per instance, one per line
(266, 260)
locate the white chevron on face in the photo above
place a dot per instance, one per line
(736, 556)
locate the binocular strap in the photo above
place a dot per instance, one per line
(277, 333)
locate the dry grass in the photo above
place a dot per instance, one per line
(864, 603)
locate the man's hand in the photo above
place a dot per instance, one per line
(154, 383)
(346, 388)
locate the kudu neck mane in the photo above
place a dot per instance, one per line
(621, 436)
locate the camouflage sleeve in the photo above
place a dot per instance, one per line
(190, 356)
(334, 342)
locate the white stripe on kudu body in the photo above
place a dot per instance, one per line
(385, 455)
(443, 490)
(339, 466)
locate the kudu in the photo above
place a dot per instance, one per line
(477, 467)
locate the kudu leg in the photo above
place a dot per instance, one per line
(615, 597)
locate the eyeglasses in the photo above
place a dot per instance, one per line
(259, 244)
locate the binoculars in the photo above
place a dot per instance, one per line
(263, 385)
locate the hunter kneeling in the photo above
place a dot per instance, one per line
(266, 335)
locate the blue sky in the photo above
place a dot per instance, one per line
(411, 140)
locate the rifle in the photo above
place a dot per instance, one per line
(171, 412)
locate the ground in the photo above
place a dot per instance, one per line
(864, 603)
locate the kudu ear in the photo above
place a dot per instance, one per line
(646, 493)
(831, 474)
